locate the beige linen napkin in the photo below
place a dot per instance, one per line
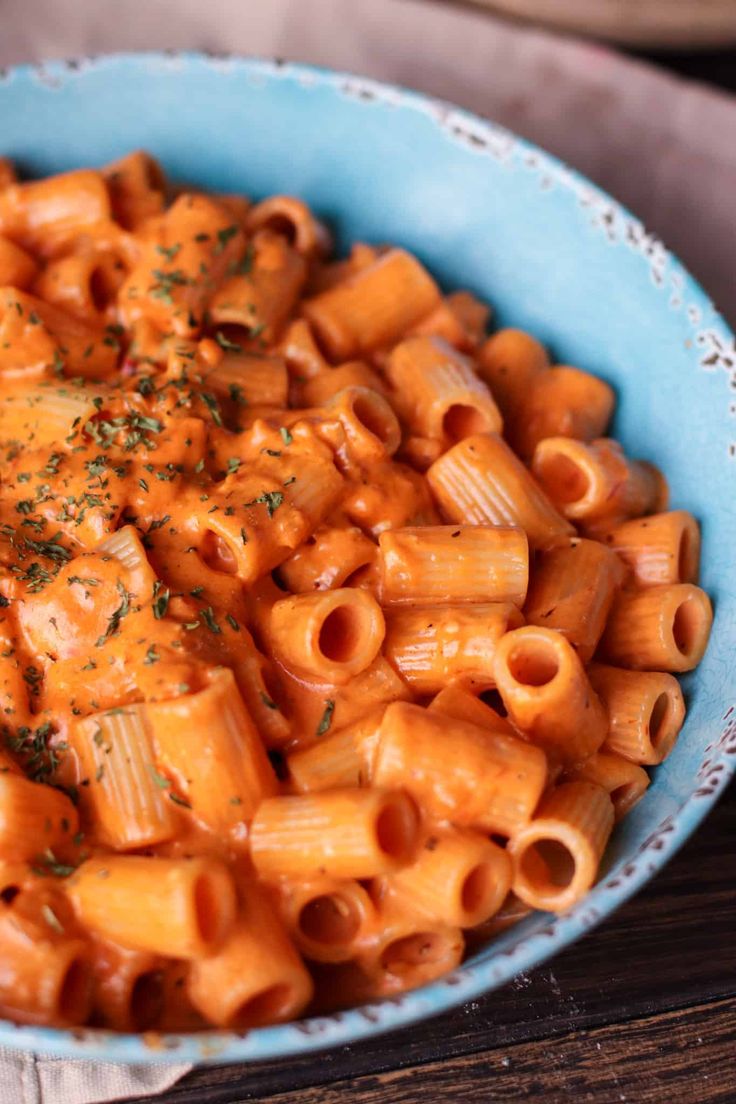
(663, 146)
(37, 1079)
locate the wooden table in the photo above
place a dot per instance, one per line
(643, 1010)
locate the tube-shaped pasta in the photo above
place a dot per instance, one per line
(431, 644)
(659, 549)
(17, 268)
(547, 693)
(373, 307)
(44, 974)
(456, 771)
(663, 628)
(358, 424)
(38, 338)
(511, 912)
(624, 781)
(421, 452)
(184, 255)
(84, 284)
(562, 402)
(183, 908)
(8, 174)
(596, 480)
(247, 379)
(33, 818)
(178, 1013)
(318, 707)
(456, 700)
(345, 833)
(224, 777)
(256, 977)
(572, 588)
(437, 392)
(369, 424)
(287, 215)
(645, 709)
(128, 986)
(260, 518)
(460, 878)
(301, 352)
(450, 563)
(136, 185)
(409, 950)
(255, 304)
(459, 318)
(510, 362)
(328, 274)
(355, 373)
(556, 856)
(122, 798)
(343, 759)
(480, 481)
(329, 919)
(126, 546)
(237, 205)
(261, 690)
(333, 635)
(327, 559)
(45, 414)
(472, 315)
(395, 495)
(46, 215)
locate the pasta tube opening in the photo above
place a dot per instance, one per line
(396, 827)
(564, 476)
(341, 633)
(422, 949)
(479, 888)
(73, 1001)
(211, 919)
(659, 720)
(548, 865)
(270, 1005)
(375, 415)
(688, 552)
(332, 918)
(216, 553)
(533, 661)
(334, 635)
(146, 1000)
(690, 626)
(461, 420)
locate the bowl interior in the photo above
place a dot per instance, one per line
(487, 212)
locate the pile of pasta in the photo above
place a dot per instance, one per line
(335, 634)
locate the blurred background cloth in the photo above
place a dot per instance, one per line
(663, 146)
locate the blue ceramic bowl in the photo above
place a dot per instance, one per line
(553, 254)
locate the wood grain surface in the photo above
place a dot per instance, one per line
(642, 1010)
(688, 24)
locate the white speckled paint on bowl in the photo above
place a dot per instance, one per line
(487, 211)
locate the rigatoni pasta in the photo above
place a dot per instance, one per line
(547, 693)
(334, 633)
(556, 856)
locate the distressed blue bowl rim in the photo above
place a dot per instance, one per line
(474, 978)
